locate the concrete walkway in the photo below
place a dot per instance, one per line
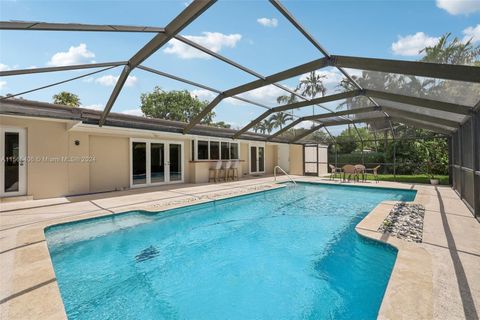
(28, 287)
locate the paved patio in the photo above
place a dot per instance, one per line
(444, 265)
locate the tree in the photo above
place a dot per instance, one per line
(173, 105)
(279, 119)
(67, 99)
(346, 142)
(455, 51)
(311, 86)
(264, 127)
(287, 99)
(221, 124)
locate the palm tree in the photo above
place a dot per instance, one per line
(280, 118)
(67, 99)
(265, 126)
(455, 51)
(312, 85)
(268, 125)
(287, 99)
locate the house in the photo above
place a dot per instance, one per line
(52, 150)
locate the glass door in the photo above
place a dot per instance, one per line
(13, 162)
(175, 162)
(139, 163)
(261, 159)
(155, 162)
(253, 159)
(257, 159)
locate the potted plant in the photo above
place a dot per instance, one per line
(430, 169)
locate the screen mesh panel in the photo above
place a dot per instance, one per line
(459, 92)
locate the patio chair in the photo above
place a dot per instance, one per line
(349, 169)
(226, 168)
(215, 170)
(375, 173)
(234, 169)
(333, 171)
(360, 169)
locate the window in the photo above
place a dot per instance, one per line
(233, 150)
(225, 151)
(202, 150)
(214, 150)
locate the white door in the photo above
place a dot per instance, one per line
(13, 166)
(155, 162)
(257, 159)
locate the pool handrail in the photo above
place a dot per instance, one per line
(275, 174)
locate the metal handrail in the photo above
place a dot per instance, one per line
(275, 174)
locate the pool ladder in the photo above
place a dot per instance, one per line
(275, 174)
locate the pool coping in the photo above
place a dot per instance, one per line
(408, 293)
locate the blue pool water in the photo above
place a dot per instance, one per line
(290, 253)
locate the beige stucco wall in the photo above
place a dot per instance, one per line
(296, 159)
(78, 170)
(245, 161)
(101, 161)
(270, 158)
(110, 170)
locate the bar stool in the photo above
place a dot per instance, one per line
(226, 167)
(215, 169)
(234, 169)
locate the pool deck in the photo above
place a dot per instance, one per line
(437, 279)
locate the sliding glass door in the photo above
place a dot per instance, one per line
(156, 162)
(175, 162)
(13, 167)
(257, 159)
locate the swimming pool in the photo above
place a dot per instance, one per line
(289, 253)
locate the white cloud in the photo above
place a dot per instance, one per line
(74, 55)
(266, 22)
(133, 112)
(412, 44)
(110, 80)
(3, 84)
(472, 33)
(265, 95)
(459, 6)
(214, 41)
(203, 94)
(95, 106)
(4, 67)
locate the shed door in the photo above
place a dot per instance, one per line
(311, 160)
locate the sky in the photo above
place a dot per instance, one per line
(251, 33)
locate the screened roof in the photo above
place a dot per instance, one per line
(381, 93)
